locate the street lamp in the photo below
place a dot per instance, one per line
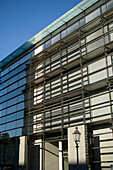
(76, 136)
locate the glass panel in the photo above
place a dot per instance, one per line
(11, 109)
(110, 4)
(12, 94)
(20, 114)
(4, 105)
(2, 120)
(20, 98)
(25, 58)
(48, 43)
(11, 117)
(20, 123)
(20, 106)
(11, 125)
(39, 49)
(22, 82)
(5, 90)
(15, 78)
(82, 22)
(2, 128)
(5, 71)
(93, 15)
(4, 78)
(63, 34)
(3, 85)
(14, 65)
(12, 101)
(3, 112)
(14, 72)
(104, 8)
(23, 74)
(12, 87)
(55, 39)
(2, 73)
(72, 28)
(11, 133)
(19, 132)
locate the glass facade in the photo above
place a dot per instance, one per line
(12, 98)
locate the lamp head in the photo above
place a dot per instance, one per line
(76, 135)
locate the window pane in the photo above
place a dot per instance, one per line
(103, 8)
(10, 125)
(14, 65)
(55, 39)
(48, 43)
(2, 128)
(82, 22)
(93, 15)
(63, 34)
(39, 49)
(72, 28)
(11, 133)
(19, 132)
(20, 123)
(109, 4)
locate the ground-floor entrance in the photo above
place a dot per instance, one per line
(52, 155)
(95, 150)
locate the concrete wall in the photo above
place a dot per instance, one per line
(22, 163)
(51, 157)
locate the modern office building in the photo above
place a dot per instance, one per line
(59, 79)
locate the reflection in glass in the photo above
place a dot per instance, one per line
(19, 132)
(63, 34)
(92, 15)
(55, 39)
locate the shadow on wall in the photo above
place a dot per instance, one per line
(81, 167)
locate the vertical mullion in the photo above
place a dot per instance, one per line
(81, 66)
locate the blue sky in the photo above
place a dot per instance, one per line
(20, 20)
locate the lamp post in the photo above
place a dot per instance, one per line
(76, 135)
